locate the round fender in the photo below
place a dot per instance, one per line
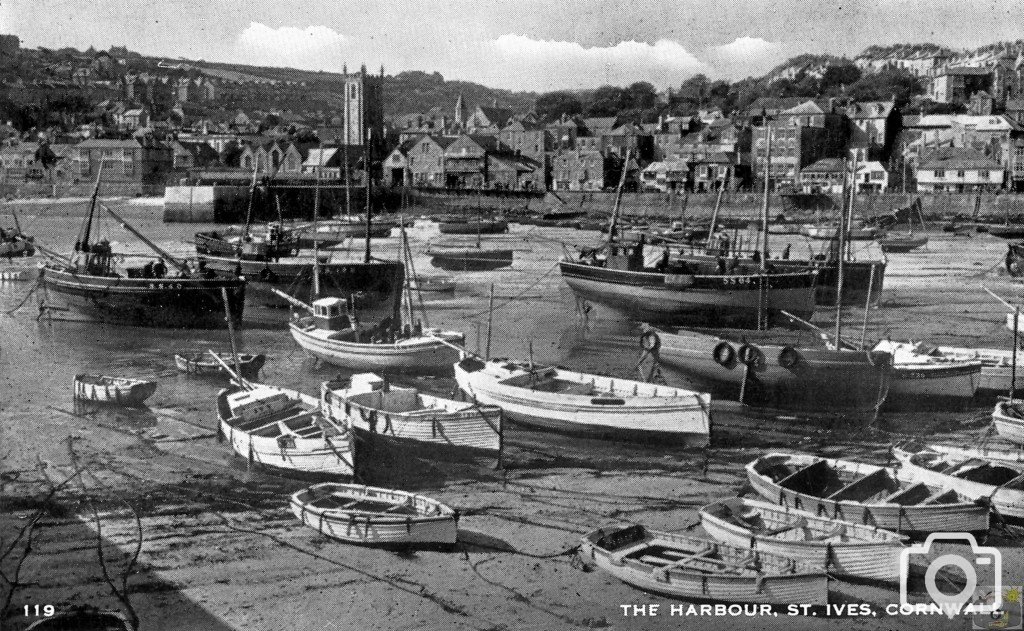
(788, 357)
(749, 354)
(650, 341)
(724, 354)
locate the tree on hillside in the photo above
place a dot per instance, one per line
(694, 91)
(839, 75)
(642, 95)
(889, 83)
(552, 105)
(608, 100)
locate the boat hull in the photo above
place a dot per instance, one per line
(128, 394)
(471, 260)
(817, 379)
(933, 385)
(162, 302)
(473, 227)
(712, 300)
(205, 365)
(1009, 426)
(1009, 503)
(427, 355)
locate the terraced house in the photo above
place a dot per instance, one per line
(133, 160)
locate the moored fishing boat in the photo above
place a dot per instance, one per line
(374, 516)
(370, 404)
(996, 364)
(454, 224)
(270, 244)
(1008, 420)
(841, 547)
(203, 364)
(119, 390)
(284, 430)
(337, 231)
(778, 370)
(921, 380)
(1001, 484)
(689, 567)
(561, 400)
(469, 259)
(864, 494)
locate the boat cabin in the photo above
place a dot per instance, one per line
(331, 314)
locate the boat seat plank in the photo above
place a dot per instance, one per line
(911, 495)
(942, 496)
(865, 487)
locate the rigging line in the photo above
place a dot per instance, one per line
(24, 300)
(513, 298)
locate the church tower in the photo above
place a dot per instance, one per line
(460, 112)
(363, 106)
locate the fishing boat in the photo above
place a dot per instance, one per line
(455, 224)
(435, 284)
(984, 448)
(284, 430)
(901, 243)
(925, 380)
(372, 405)
(561, 400)
(689, 567)
(1007, 231)
(777, 369)
(1008, 420)
(89, 285)
(828, 232)
(204, 364)
(369, 515)
(1001, 484)
(469, 259)
(865, 494)
(119, 390)
(271, 244)
(342, 229)
(996, 364)
(841, 547)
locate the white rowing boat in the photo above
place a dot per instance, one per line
(118, 390)
(922, 379)
(690, 567)
(562, 400)
(369, 515)
(838, 546)
(1008, 419)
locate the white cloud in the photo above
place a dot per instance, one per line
(746, 56)
(312, 47)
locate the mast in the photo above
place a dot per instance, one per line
(316, 239)
(366, 171)
(163, 253)
(849, 209)
(252, 193)
(841, 266)
(764, 201)
(612, 225)
(84, 244)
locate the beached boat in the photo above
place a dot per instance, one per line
(204, 364)
(777, 369)
(562, 400)
(269, 244)
(828, 231)
(374, 516)
(925, 380)
(84, 618)
(901, 243)
(119, 390)
(434, 285)
(469, 259)
(689, 567)
(986, 448)
(284, 430)
(841, 547)
(1007, 231)
(996, 364)
(470, 225)
(864, 494)
(370, 404)
(342, 229)
(1008, 420)
(1001, 484)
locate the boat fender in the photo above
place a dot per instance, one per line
(724, 354)
(267, 276)
(749, 354)
(650, 341)
(788, 357)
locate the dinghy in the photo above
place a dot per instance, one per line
(922, 379)
(204, 364)
(1008, 420)
(1001, 484)
(996, 364)
(368, 515)
(118, 390)
(985, 449)
(370, 404)
(561, 400)
(840, 547)
(284, 430)
(690, 567)
(864, 494)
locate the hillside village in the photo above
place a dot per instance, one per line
(907, 118)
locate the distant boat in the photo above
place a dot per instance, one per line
(865, 494)
(1008, 231)
(561, 400)
(372, 405)
(369, 515)
(1008, 420)
(683, 566)
(470, 225)
(901, 243)
(469, 259)
(434, 284)
(203, 364)
(15, 243)
(828, 232)
(119, 390)
(284, 430)
(842, 547)
(241, 243)
(336, 231)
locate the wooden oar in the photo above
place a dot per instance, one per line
(245, 385)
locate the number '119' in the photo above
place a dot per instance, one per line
(39, 610)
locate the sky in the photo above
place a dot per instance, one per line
(537, 45)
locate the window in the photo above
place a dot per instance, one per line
(878, 175)
(961, 174)
(940, 173)
(129, 168)
(983, 175)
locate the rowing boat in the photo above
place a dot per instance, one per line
(865, 494)
(119, 390)
(1008, 420)
(690, 567)
(841, 547)
(284, 430)
(919, 379)
(369, 515)
(204, 364)
(985, 449)
(561, 400)
(996, 364)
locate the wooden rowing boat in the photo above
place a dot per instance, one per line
(369, 515)
(1008, 420)
(284, 430)
(204, 364)
(920, 379)
(841, 547)
(984, 449)
(901, 243)
(119, 390)
(864, 494)
(561, 400)
(996, 364)
(469, 259)
(690, 567)
(370, 404)
(1001, 484)
(779, 370)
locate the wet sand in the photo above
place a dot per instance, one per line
(221, 550)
